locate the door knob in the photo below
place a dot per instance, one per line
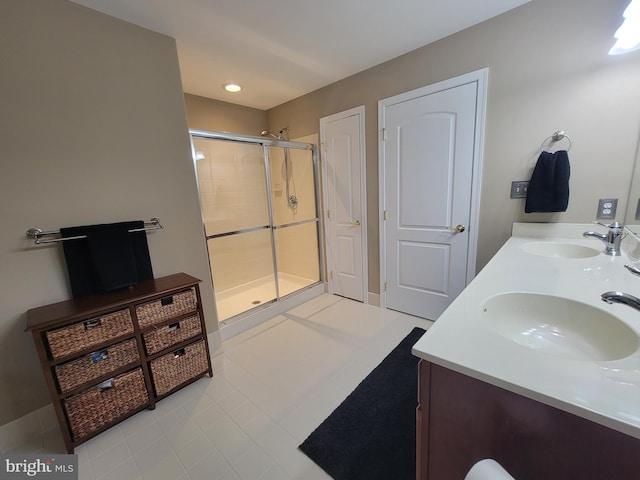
(458, 229)
(356, 223)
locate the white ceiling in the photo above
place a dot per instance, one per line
(279, 50)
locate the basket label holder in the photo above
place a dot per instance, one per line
(99, 356)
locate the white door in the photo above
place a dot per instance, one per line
(343, 159)
(430, 150)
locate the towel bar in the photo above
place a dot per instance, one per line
(36, 234)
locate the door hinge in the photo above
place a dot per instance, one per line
(328, 213)
(383, 131)
(385, 286)
(331, 274)
(384, 215)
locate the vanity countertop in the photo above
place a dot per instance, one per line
(606, 392)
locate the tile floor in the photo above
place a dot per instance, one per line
(272, 386)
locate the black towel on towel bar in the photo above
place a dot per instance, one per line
(548, 189)
(112, 255)
(108, 259)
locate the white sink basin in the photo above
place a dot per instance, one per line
(559, 250)
(559, 326)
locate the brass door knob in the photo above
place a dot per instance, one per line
(356, 223)
(459, 228)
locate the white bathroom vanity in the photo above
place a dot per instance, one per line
(530, 367)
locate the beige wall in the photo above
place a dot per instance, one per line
(549, 70)
(93, 130)
(215, 116)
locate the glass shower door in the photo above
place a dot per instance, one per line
(232, 183)
(295, 218)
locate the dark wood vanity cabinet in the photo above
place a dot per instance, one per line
(461, 420)
(108, 356)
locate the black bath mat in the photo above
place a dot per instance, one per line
(372, 433)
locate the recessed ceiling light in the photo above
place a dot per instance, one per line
(232, 87)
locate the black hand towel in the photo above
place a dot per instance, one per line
(108, 259)
(112, 255)
(549, 186)
(82, 274)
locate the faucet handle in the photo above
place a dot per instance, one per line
(633, 269)
(611, 226)
(615, 228)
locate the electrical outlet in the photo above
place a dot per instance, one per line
(519, 189)
(607, 208)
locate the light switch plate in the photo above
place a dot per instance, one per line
(519, 189)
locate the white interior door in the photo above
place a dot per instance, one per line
(343, 159)
(429, 149)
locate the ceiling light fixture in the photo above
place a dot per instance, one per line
(232, 87)
(628, 35)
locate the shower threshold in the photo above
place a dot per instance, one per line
(236, 304)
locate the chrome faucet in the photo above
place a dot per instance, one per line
(611, 240)
(619, 297)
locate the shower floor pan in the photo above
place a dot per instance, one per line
(242, 298)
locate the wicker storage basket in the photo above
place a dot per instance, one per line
(96, 364)
(163, 337)
(86, 334)
(175, 368)
(165, 308)
(98, 406)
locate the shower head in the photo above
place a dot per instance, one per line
(280, 136)
(267, 133)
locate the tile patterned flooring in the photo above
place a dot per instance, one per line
(272, 386)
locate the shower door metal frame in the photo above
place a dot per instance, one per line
(266, 143)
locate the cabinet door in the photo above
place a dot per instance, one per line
(470, 420)
(422, 420)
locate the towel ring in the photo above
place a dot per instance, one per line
(556, 137)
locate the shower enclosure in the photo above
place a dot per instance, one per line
(260, 212)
